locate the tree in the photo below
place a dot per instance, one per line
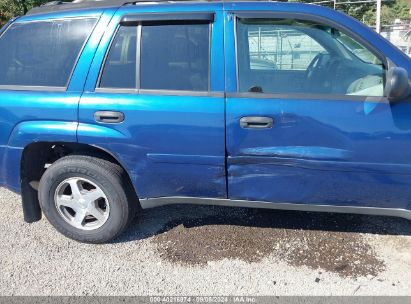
(390, 11)
(8, 9)
(12, 8)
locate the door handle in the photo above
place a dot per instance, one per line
(109, 116)
(256, 122)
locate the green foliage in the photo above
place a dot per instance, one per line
(7, 10)
(12, 8)
(390, 10)
(401, 10)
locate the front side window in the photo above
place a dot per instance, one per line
(293, 56)
(42, 53)
(275, 49)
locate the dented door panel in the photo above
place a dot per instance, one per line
(339, 152)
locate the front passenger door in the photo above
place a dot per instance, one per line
(307, 121)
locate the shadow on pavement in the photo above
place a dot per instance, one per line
(156, 221)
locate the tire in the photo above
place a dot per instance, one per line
(87, 199)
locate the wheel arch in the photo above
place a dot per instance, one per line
(38, 156)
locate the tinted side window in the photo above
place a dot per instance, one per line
(295, 56)
(120, 67)
(175, 57)
(288, 49)
(42, 53)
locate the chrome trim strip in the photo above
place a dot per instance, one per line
(160, 92)
(7, 25)
(32, 88)
(138, 56)
(162, 201)
(309, 96)
(181, 93)
(210, 45)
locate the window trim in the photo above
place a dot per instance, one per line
(32, 88)
(305, 17)
(138, 24)
(139, 29)
(7, 25)
(135, 19)
(50, 88)
(160, 92)
(309, 96)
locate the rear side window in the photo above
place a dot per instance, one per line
(173, 56)
(42, 53)
(120, 68)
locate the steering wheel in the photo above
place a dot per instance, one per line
(319, 71)
(313, 64)
(18, 63)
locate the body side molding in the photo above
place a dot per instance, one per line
(162, 201)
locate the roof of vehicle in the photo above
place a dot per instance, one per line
(59, 6)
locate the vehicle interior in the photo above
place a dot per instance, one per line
(19, 44)
(177, 52)
(304, 57)
(121, 60)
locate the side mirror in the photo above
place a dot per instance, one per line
(397, 85)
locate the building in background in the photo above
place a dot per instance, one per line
(399, 34)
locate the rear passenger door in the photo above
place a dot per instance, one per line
(157, 103)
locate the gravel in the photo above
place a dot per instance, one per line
(203, 250)
(318, 241)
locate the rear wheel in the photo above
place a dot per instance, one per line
(86, 198)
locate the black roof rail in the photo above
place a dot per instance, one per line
(61, 5)
(56, 6)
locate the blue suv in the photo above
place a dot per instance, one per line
(111, 106)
